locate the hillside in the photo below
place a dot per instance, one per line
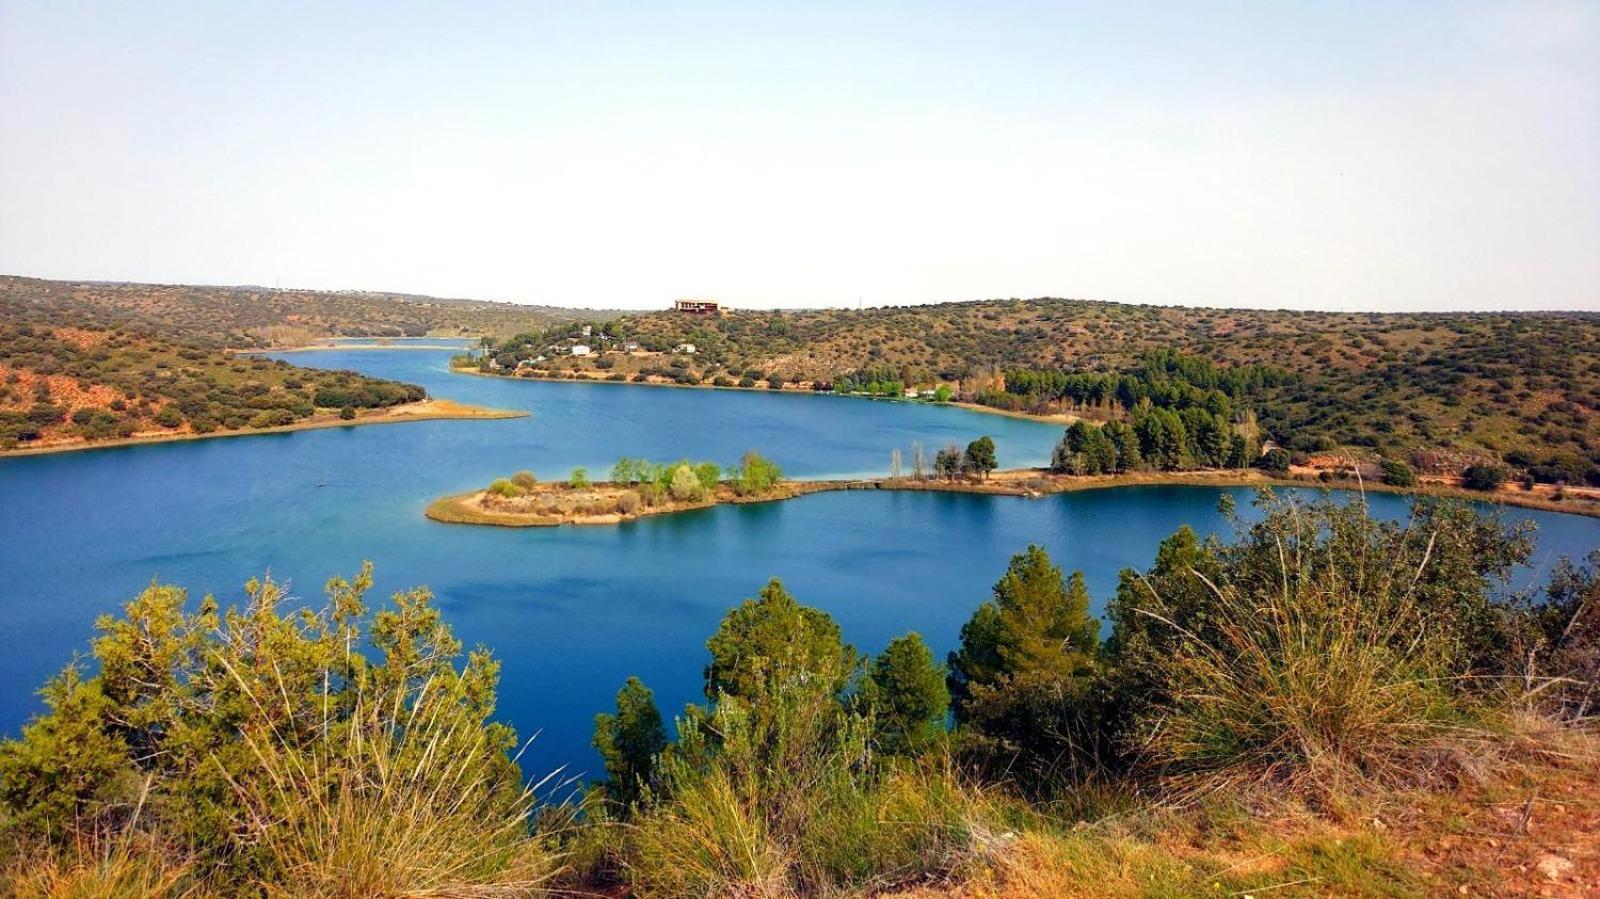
(253, 317)
(1520, 389)
(84, 363)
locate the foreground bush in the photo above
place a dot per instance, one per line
(265, 749)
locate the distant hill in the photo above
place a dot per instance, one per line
(1522, 388)
(85, 361)
(255, 317)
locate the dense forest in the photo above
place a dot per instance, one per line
(1325, 693)
(1437, 391)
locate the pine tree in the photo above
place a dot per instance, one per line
(630, 743)
(905, 688)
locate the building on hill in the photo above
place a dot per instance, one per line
(697, 307)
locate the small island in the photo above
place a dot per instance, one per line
(636, 488)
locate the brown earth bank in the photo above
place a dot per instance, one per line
(425, 410)
(556, 504)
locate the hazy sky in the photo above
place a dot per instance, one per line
(1332, 155)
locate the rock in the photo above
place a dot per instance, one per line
(1553, 866)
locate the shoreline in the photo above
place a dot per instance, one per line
(315, 347)
(1056, 418)
(424, 410)
(1027, 483)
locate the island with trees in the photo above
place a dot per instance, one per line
(1158, 450)
(634, 489)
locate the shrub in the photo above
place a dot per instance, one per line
(755, 474)
(265, 742)
(579, 479)
(1483, 477)
(628, 502)
(269, 418)
(524, 480)
(685, 485)
(504, 487)
(348, 413)
(1275, 461)
(1398, 474)
(1321, 647)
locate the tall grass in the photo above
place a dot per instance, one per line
(101, 865)
(400, 800)
(1327, 670)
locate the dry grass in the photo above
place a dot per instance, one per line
(400, 803)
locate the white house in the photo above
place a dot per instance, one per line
(687, 348)
(579, 349)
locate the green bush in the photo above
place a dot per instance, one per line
(1487, 478)
(264, 746)
(1398, 474)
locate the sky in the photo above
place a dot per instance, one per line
(1339, 155)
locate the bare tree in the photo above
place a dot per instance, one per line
(894, 463)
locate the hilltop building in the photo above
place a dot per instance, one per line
(697, 307)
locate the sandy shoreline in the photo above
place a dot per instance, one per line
(426, 410)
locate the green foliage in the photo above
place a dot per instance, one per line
(1483, 477)
(505, 487)
(772, 641)
(263, 743)
(1275, 461)
(774, 789)
(755, 474)
(980, 456)
(1319, 644)
(1559, 639)
(685, 484)
(906, 692)
(1398, 474)
(579, 479)
(1022, 676)
(630, 741)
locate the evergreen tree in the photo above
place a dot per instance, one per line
(980, 456)
(772, 642)
(1027, 660)
(630, 742)
(906, 691)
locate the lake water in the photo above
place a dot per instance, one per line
(571, 612)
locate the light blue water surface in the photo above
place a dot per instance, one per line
(571, 612)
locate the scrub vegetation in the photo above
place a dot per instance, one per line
(70, 384)
(82, 363)
(637, 487)
(1319, 704)
(1438, 392)
(262, 317)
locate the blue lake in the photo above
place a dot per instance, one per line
(570, 612)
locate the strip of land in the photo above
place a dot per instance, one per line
(425, 410)
(552, 505)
